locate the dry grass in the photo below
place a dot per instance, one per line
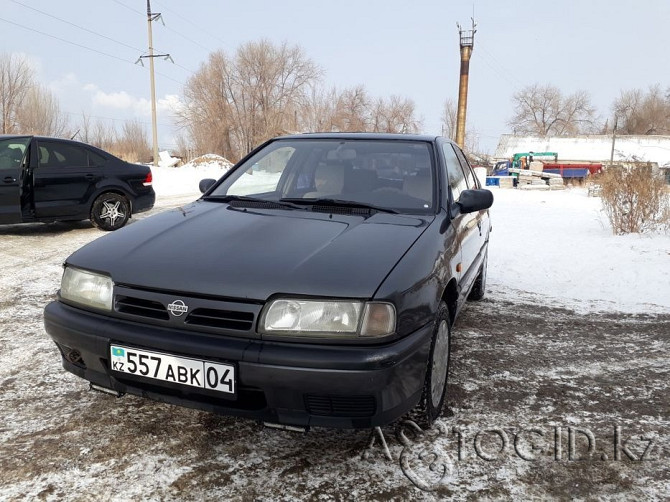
(635, 200)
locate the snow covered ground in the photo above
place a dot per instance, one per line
(557, 247)
(573, 334)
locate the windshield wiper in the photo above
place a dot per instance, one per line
(251, 200)
(338, 203)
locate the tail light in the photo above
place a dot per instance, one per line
(148, 181)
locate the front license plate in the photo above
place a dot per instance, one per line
(168, 368)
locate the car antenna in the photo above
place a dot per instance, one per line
(75, 134)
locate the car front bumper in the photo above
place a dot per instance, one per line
(288, 383)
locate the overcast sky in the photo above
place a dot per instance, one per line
(390, 46)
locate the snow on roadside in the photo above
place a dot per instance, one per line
(184, 180)
(559, 245)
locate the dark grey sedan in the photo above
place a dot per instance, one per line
(315, 284)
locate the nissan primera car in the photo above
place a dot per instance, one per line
(315, 284)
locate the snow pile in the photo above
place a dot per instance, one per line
(184, 180)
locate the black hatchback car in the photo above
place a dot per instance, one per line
(49, 179)
(315, 284)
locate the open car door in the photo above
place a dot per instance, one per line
(12, 161)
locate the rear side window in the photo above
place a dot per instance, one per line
(56, 154)
(94, 159)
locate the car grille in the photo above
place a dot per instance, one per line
(141, 307)
(223, 319)
(340, 406)
(207, 315)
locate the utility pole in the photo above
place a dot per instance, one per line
(150, 18)
(467, 41)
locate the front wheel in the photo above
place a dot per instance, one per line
(110, 211)
(435, 384)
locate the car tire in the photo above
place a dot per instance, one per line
(435, 384)
(479, 287)
(110, 211)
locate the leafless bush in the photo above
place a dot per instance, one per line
(131, 144)
(40, 114)
(16, 79)
(635, 199)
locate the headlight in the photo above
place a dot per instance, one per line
(87, 288)
(327, 318)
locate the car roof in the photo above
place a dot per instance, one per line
(7, 136)
(62, 140)
(361, 136)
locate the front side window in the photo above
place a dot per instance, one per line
(455, 174)
(470, 177)
(12, 152)
(390, 174)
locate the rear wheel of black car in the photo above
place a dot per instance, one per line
(479, 288)
(435, 385)
(110, 211)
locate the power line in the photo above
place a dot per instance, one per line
(84, 47)
(76, 25)
(66, 41)
(129, 8)
(197, 26)
(502, 69)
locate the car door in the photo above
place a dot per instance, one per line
(481, 217)
(465, 224)
(64, 180)
(12, 176)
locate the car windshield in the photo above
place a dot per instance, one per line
(391, 175)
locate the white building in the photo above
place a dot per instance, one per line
(597, 148)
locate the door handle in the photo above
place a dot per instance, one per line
(90, 177)
(9, 179)
(479, 226)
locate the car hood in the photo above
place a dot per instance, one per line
(210, 248)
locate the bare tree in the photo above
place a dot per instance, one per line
(449, 117)
(16, 79)
(319, 110)
(232, 104)
(640, 112)
(353, 110)
(395, 115)
(133, 142)
(103, 136)
(545, 111)
(40, 114)
(85, 128)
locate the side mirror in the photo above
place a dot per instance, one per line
(206, 184)
(475, 200)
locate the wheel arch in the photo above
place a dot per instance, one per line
(450, 297)
(110, 189)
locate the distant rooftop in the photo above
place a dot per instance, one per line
(596, 148)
